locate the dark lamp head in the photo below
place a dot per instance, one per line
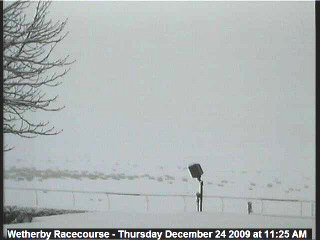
(195, 170)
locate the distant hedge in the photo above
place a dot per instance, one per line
(16, 214)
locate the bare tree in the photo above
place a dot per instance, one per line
(29, 39)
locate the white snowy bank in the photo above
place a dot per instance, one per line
(167, 220)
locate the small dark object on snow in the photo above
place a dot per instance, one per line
(249, 207)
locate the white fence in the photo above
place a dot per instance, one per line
(115, 201)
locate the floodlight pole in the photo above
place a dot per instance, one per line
(198, 201)
(196, 172)
(201, 194)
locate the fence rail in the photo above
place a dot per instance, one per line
(262, 202)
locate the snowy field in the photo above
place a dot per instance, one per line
(153, 195)
(166, 220)
(152, 177)
(86, 185)
(128, 195)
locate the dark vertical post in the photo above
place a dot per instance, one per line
(249, 207)
(201, 195)
(198, 201)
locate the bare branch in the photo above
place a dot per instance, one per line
(28, 44)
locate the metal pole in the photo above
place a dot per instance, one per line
(198, 201)
(201, 195)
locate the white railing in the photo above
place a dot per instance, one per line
(102, 200)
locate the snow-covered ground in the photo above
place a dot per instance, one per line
(165, 193)
(149, 177)
(166, 220)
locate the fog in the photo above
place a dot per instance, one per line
(228, 84)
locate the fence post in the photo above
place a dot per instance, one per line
(36, 198)
(185, 204)
(312, 208)
(222, 204)
(108, 201)
(249, 207)
(261, 206)
(74, 200)
(147, 203)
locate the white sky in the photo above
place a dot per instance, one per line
(227, 84)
